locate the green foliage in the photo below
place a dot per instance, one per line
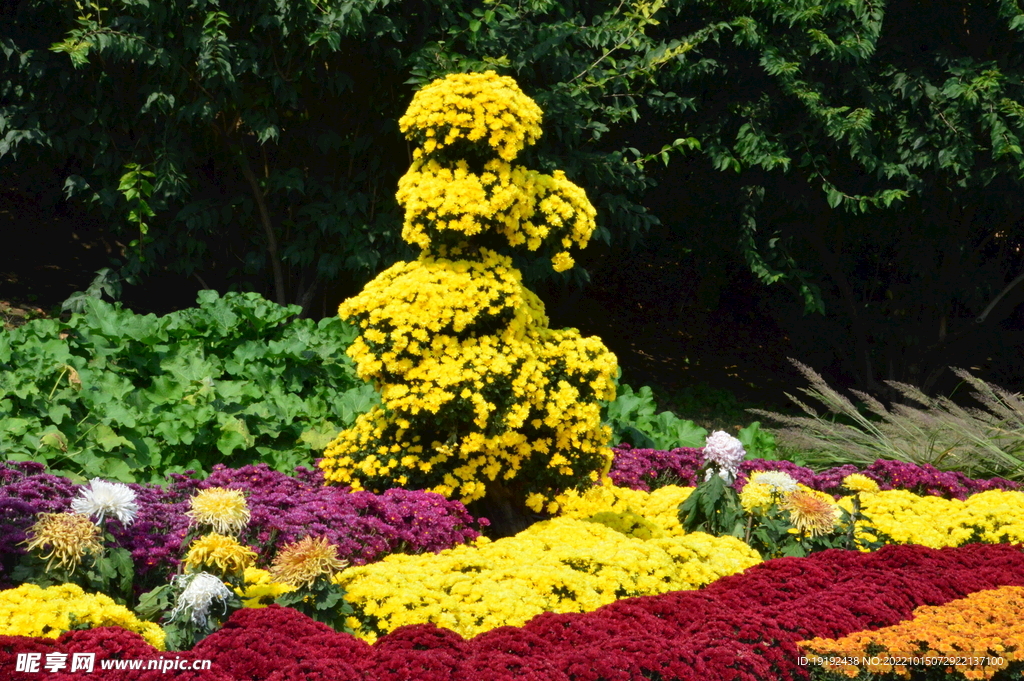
(757, 443)
(111, 573)
(264, 135)
(632, 418)
(712, 507)
(869, 160)
(130, 397)
(324, 601)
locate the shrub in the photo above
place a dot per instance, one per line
(480, 399)
(130, 397)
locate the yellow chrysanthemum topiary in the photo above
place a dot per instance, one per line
(480, 399)
(30, 610)
(475, 107)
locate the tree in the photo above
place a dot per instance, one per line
(257, 141)
(873, 152)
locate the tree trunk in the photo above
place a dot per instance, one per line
(506, 513)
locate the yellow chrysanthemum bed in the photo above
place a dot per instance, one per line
(559, 565)
(30, 610)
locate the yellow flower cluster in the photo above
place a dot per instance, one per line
(476, 107)
(660, 507)
(30, 610)
(474, 386)
(560, 565)
(982, 633)
(902, 517)
(259, 588)
(221, 553)
(444, 205)
(477, 392)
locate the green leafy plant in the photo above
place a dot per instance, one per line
(324, 601)
(632, 418)
(937, 431)
(713, 507)
(133, 397)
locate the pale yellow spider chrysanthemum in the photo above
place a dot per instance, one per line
(302, 563)
(220, 552)
(811, 513)
(225, 511)
(67, 536)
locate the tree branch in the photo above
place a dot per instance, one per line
(268, 228)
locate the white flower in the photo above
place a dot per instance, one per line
(726, 474)
(778, 482)
(201, 589)
(725, 451)
(102, 498)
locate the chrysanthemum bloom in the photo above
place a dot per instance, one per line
(855, 482)
(224, 510)
(726, 451)
(302, 563)
(220, 551)
(102, 498)
(778, 482)
(68, 536)
(810, 513)
(201, 590)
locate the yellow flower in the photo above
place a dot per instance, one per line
(562, 262)
(476, 107)
(302, 563)
(811, 512)
(223, 510)
(260, 589)
(217, 550)
(855, 482)
(30, 610)
(68, 536)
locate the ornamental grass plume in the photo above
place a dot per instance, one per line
(922, 430)
(306, 561)
(225, 511)
(64, 539)
(102, 499)
(221, 552)
(810, 512)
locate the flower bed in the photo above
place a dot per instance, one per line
(742, 627)
(638, 468)
(974, 637)
(560, 565)
(284, 508)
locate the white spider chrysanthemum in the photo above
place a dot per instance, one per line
(102, 499)
(201, 590)
(777, 481)
(724, 450)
